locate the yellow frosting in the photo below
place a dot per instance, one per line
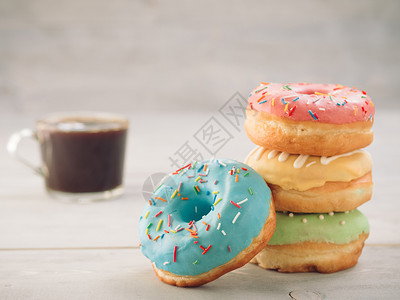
(292, 172)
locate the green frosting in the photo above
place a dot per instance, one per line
(339, 228)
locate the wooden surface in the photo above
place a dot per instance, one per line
(53, 250)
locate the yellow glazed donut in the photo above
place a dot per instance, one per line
(311, 184)
(314, 119)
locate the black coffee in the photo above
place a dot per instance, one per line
(83, 155)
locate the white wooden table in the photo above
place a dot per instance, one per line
(53, 250)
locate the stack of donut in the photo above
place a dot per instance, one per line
(309, 139)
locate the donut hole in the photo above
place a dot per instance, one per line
(195, 209)
(196, 206)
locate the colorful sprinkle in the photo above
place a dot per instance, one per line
(286, 106)
(216, 202)
(219, 225)
(221, 163)
(159, 225)
(157, 188)
(237, 177)
(188, 165)
(196, 262)
(169, 220)
(243, 201)
(159, 213)
(294, 100)
(159, 198)
(263, 101)
(273, 102)
(175, 249)
(292, 110)
(246, 174)
(145, 216)
(313, 115)
(260, 90)
(235, 218)
(191, 231)
(251, 191)
(156, 238)
(223, 232)
(174, 194)
(205, 251)
(229, 248)
(238, 206)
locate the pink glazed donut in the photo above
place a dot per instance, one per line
(309, 118)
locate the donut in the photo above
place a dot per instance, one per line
(324, 243)
(313, 119)
(314, 184)
(205, 220)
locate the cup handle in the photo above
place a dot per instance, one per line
(12, 147)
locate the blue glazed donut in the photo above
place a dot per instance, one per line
(205, 220)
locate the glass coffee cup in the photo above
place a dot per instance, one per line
(82, 154)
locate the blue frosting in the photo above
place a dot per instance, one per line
(201, 206)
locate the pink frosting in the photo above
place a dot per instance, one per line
(326, 103)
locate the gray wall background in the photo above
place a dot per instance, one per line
(132, 56)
